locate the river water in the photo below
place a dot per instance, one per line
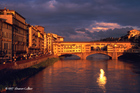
(97, 74)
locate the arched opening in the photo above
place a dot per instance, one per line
(92, 49)
(98, 56)
(104, 48)
(69, 57)
(98, 49)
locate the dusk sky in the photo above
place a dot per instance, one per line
(80, 20)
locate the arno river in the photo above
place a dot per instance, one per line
(97, 74)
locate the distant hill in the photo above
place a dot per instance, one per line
(132, 36)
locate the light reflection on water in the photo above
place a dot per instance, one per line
(101, 80)
(85, 76)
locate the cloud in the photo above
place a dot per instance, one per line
(116, 32)
(88, 34)
(80, 32)
(100, 30)
(112, 30)
(80, 37)
(104, 26)
(52, 3)
(89, 19)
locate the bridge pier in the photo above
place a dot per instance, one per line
(83, 56)
(114, 56)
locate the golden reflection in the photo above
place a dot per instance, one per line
(101, 80)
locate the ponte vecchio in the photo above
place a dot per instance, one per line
(84, 49)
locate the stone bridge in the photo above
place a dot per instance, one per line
(112, 55)
(84, 49)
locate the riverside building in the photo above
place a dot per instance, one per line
(52, 38)
(36, 39)
(5, 39)
(18, 38)
(41, 38)
(19, 30)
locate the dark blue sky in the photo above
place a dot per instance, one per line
(80, 20)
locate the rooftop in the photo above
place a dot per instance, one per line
(11, 11)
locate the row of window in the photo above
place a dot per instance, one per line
(70, 51)
(19, 38)
(7, 46)
(4, 25)
(7, 35)
(69, 46)
(19, 24)
(19, 47)
(20, 31)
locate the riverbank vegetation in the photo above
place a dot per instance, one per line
(10, 77)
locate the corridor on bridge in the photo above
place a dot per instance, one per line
(84, 49)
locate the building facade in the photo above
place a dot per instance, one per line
(133, 33)
(86, 47)
(36, 39)
(18, 38)
(19, 30)
(41, 37)
(50, 39)
(5, 39)
(45, 43)
(33, 40)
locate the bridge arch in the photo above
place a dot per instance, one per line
(84, 55)
(103, 53)
(68, 55)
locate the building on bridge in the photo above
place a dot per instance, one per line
(83, 49)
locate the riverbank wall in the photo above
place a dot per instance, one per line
(19, 72)
(31, 63)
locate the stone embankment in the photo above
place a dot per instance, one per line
(21, 70)
(24, 63)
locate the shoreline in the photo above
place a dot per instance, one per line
(130, 57)
(15, 76)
